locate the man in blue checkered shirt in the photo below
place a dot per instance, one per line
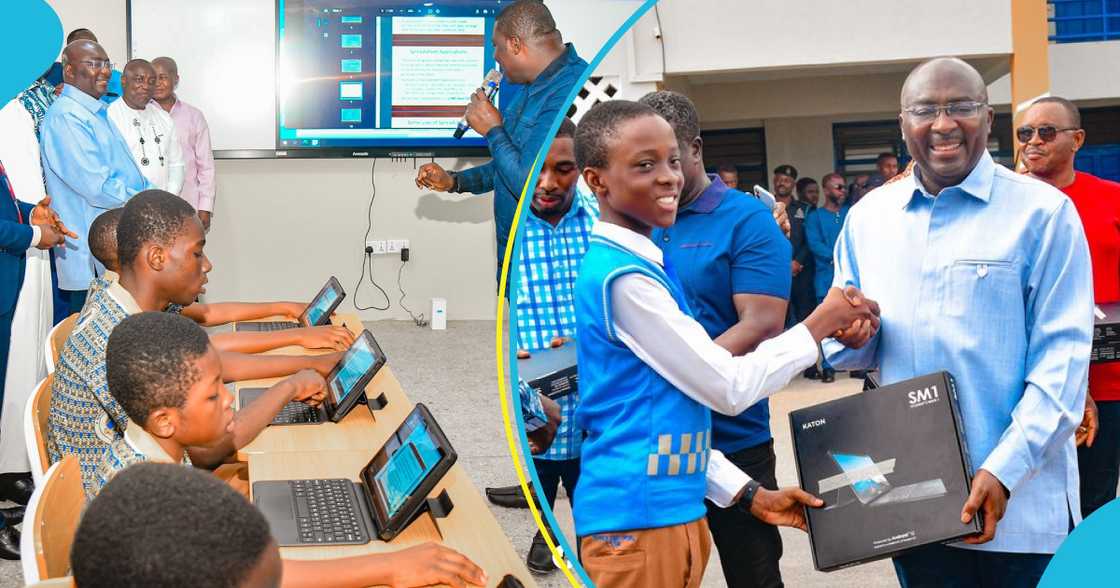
(556, 237)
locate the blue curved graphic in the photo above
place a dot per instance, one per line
(1084, 557)
(32, 37)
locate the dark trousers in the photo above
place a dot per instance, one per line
(941, 566)
(1100, 464)
(61, 304)
(5, 344)
(802, 297)
(553, 472)
(76, 300)
(749, 549)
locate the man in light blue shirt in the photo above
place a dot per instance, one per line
(984, 273)
(87, 165)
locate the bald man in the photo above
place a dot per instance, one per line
(1051, 134)
(148, 130)
(194, 140)
(996, 288)
(54, 74)
(86, 163)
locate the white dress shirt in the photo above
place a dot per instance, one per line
(649, 322)
(150, 136)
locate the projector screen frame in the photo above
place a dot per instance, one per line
(317, 152)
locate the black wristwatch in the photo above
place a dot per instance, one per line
(454, 182)
(748, 494)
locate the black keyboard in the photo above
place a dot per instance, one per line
(269, 326)
(326, 512)
(296, 412)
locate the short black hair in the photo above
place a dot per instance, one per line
(132, 63)
(726, 168)
(567, 129)
(80, 33)
(158, 524)
(150, 362)
(600, 125)
(885, 156)
(1071, 108)
(803, 184)
(526, 20)
(679, 110)
(103, 235)
(152, 216)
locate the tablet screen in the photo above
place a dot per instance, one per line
(409, 463)
(357, 361)
(318, 309)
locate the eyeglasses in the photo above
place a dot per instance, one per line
(838, 187)
(927, 113)
(98, 63)
(1046, 133)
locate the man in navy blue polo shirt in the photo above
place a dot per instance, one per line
(734, 264)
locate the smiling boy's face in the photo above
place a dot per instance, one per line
(641, 184)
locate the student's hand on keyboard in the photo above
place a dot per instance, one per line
(326, 337)
(325, 363)
(308, 387)
(431, 563)
(292, 310)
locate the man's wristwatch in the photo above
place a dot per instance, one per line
(748, 494)
(454, 182)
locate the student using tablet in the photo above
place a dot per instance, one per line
(166, 375)
(649, 373)
(103, 246)
(175, 527)
(160, 244)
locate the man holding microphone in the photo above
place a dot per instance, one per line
(532, 52)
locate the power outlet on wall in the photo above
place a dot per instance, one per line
(387, 247)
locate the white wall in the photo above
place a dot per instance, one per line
(737, 35)
(1078, 71)
(281, 227)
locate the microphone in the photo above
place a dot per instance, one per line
(490, 86)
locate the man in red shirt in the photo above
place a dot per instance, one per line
(1051, 134)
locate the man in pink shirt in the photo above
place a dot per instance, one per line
(194, 135)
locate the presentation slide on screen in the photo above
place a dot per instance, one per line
(377, 73)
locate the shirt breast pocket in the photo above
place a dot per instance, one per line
(988, 286)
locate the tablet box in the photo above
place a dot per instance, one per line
(1106, 334)
(891, 466)
(551, 372)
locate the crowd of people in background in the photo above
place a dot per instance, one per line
(82, 139)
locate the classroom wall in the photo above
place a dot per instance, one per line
(281, 227)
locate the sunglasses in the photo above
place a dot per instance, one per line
(1046, 133)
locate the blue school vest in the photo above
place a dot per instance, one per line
(646, 452)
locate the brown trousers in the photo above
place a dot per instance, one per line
(668, 557)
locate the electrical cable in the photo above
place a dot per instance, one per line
(420, 321)
(368, 261)
(661, 40)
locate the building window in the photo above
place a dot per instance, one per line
(743, 148)
(857, 145)
(1078, 21)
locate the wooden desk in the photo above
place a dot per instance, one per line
(341, 450)
(360, 430)
(470, 528)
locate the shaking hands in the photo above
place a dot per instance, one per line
(847, 315)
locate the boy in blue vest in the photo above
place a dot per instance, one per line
(649, 373)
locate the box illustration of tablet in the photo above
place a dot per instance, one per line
(891, 466)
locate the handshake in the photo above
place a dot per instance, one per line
(846, 315)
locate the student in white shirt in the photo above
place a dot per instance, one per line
(148, 131)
